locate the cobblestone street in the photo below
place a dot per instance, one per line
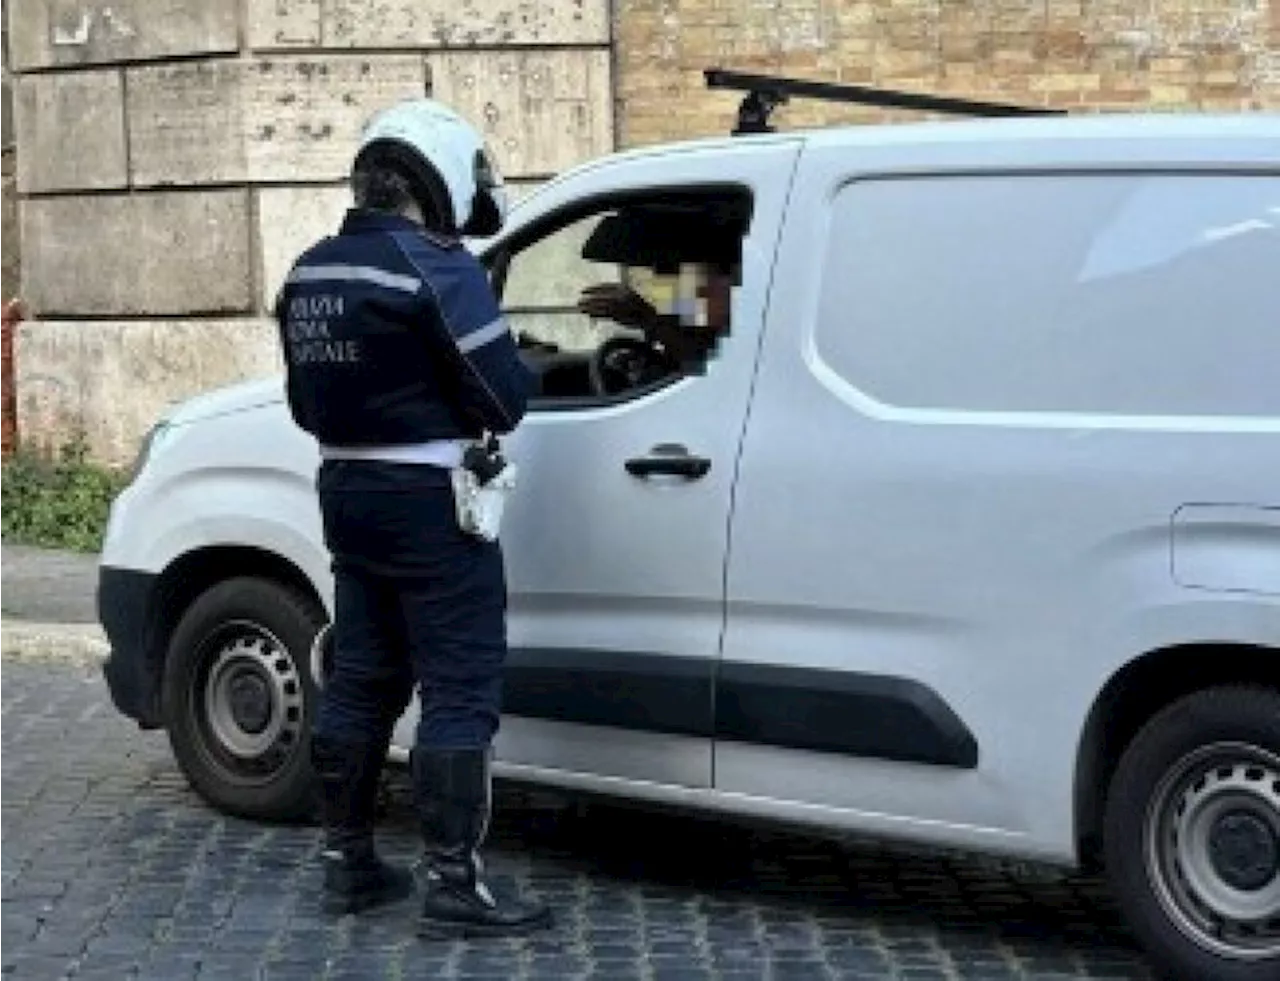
(113, 869)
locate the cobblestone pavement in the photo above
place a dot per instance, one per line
(112, 868)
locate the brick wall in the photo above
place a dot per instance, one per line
(1082, 54)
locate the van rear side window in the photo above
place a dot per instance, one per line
(1091, 293)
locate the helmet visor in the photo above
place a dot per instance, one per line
(487, 174)
(489, 209)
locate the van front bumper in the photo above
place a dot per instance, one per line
(125, 599)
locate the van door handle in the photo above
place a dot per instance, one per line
(669, 460)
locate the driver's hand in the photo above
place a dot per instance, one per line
(613, 301)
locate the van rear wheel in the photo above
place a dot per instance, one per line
(1192, 835)
(239, 698)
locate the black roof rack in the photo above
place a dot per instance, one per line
(766, 92)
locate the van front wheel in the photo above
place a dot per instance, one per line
(1192, 835)
(238, 698)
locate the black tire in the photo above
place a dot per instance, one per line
(239, 700)
(1192, 836)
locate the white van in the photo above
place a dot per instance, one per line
(969, 533)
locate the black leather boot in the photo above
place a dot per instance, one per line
(451, 788)
(355, 878)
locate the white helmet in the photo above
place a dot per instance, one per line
(444, 157)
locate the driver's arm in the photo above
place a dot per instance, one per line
(613, 301)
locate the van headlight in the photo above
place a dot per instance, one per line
(151, 442)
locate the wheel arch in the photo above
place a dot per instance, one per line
(1131, 697)
(194, 573)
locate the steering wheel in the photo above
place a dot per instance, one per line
(621, 363)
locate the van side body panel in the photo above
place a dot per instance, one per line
(1002, 533)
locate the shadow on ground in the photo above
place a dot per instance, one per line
(956, 900)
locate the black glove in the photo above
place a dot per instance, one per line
(485, 460)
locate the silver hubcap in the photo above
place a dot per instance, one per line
(1213, 849)
(253, 696)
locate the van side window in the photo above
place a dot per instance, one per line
(622, 296)
(1106, 293)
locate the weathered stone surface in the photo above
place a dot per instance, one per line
(541, 111)
(111, 380)
(284, 24)
(45, 33)
(50, 108)
(11, 257)
(185, 123)
(292, 218)
(297, 118)
(427, 24)
(6, 113)
(289, 220)
(118, 255)
(469, 23)
(303, 115)
(281, 118)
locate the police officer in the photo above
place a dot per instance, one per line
(398, 359)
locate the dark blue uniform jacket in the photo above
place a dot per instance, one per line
(392, 335)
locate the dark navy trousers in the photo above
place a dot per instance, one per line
(418, 604)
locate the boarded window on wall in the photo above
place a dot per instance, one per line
(1100, 293)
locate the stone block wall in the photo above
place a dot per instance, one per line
(1086, 55)
(11, 258)
(174, 156)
